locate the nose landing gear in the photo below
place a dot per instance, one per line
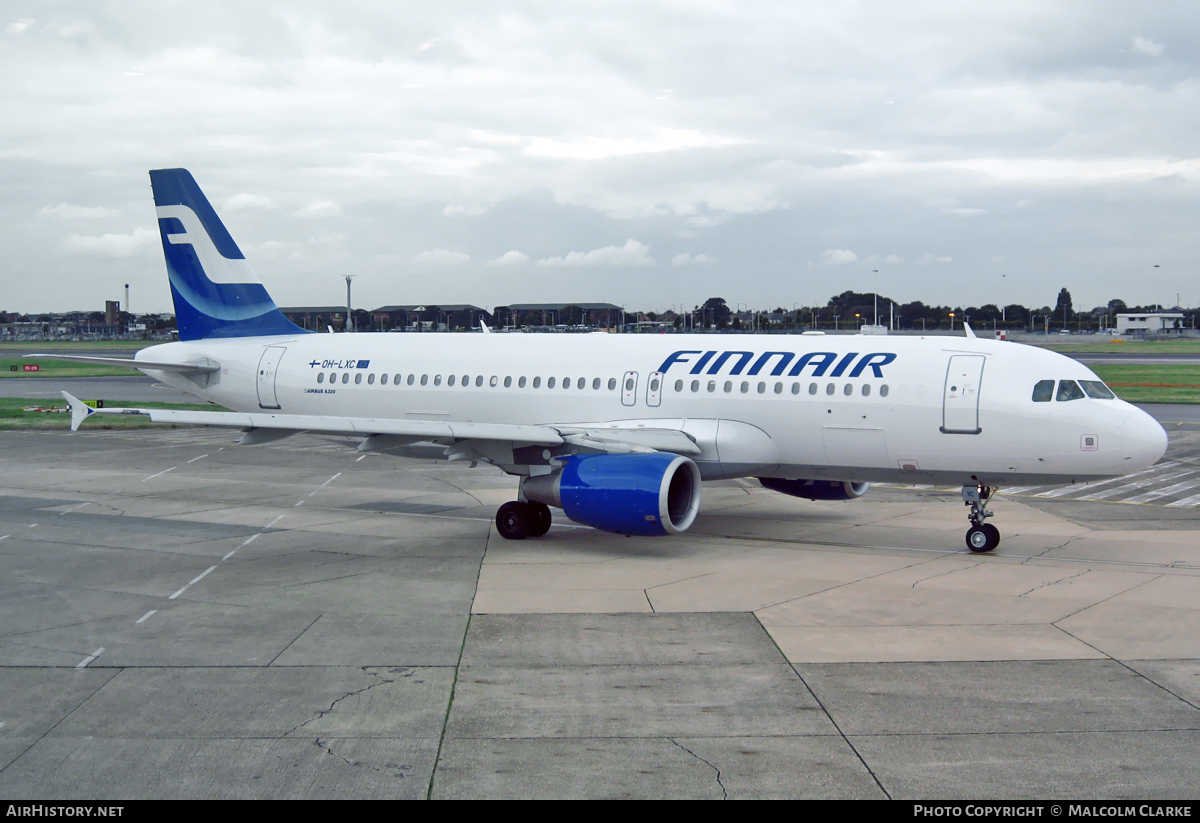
(981, 537)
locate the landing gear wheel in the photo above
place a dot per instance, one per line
(539, 519)
(983, 538)
(513, 521)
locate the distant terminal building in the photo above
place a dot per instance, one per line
(1150, 323)
(316, 318)
(564, 314)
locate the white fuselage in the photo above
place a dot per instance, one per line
(946, 410)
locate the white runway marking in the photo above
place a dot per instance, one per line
(191, 582)
(5, 537)
(201, 457)
(249, 540)
(330, 480)
(160, 474)
(1194, 500)
(73, 508)
(142, 619)
(1139, 484)
(1163, 492)
(360, 458)
(82, 664)
(1085, 487)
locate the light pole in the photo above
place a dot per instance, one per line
(349, 311)
(951, 321)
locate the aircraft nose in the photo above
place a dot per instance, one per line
(1143, 441)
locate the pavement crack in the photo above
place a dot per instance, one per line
(943, 574)
(724, 791)
(380, 680)
(1049, 549)
(1053, 582)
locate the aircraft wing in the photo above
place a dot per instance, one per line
(201, 366)
(460, 438)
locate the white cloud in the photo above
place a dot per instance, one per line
(71, 210)
(74, 28)
(473, 210)
(241, 202)
(509, 258)
(1144, 46)
(109, 245)
(893, 259)
(596, 148)
(929, 258)
(961, 212)
(709, 220)
(838, 256)
(325, 208)
(632, 253)
(442, 257)
(686, 259)
(19, 26)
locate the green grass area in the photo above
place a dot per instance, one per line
(1110, 346)
(64, 346)
(1152, 383)
(57, 368)
(14, 416)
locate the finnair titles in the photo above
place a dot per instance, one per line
(620, 431)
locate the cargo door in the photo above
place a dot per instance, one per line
(629, 388)
(960, 397)
(268, 366)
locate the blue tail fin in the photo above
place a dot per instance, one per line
(216, 293)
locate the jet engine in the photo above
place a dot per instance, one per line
(816, 489)
(642, 494)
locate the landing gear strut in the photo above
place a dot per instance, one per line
(981, 537)
(517, 520)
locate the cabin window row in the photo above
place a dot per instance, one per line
(779, 387)
(465, 380)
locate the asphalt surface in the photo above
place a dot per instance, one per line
(184, 618)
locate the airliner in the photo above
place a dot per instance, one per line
(620, 431)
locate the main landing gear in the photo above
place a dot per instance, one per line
(517, 520)
(981, 537)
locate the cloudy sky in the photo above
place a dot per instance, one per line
(646, 154)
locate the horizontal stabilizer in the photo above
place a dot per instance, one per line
(201, 366)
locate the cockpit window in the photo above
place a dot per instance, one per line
(1068, 390)
(1098, 390)
(1043, 392)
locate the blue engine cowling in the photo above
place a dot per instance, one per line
(642, 494)
(816, 489)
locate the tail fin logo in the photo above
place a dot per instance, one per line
(218, 268)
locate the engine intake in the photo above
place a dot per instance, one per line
(816, 489)
(642, 494)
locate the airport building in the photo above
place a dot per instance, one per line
(1165, 322)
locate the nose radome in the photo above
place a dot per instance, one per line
(1143, 441)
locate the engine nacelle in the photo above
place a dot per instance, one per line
(643, 494)
(816, 489)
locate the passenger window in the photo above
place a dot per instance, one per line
(370, 380)
(1069, 390)
(493, 381)
(745, 387)
(566, 382)
(866, 389)
(320, 377)
(762, 387)
(437, 380)
(358, 378)
(396, 380)
(830, 389)
(537, 382)
(424, 379)
(596, 384)
(478, 380)
(581, 383)
(679, 385)
(1098, 390)
(812, 388)
(508, 382)
(712, 385)
(654, 385)
(795, 388)
(779, 388)
(1043, 391)
(450, 380)
(612, 383)
(628, 384)
(411, 378)
(383, 379)
(728, 386)
(883, 390)
(550, 383)
(346, 377)
(695, 385)
(521, 383)
(466, 380)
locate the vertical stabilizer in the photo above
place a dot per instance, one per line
(215, 291)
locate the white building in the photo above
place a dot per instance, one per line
(1153, 323)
